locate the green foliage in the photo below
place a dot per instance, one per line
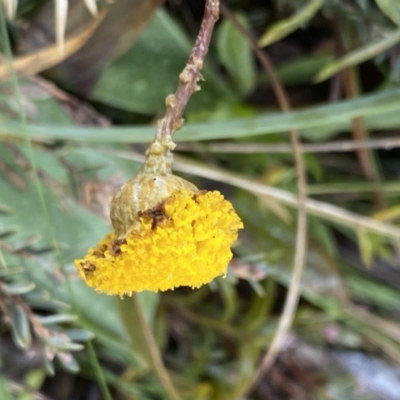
(283, 28)
(315, 123)
(142, 77)
(360, 55)
(236, 55)
(391, 8)
(58, 172)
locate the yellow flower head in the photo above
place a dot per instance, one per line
(167, 234)
(184, 241)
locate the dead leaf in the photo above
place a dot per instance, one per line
(49, 56)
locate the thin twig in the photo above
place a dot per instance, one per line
(282, 148)
(176, 103)
(292, 297)
(170, 123)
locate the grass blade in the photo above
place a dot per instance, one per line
(380, 111)
(359, 55)
(289, 25)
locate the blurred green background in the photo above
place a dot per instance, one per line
(74, 126)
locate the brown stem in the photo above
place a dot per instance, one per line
(176, 103)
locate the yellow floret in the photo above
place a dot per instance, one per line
(184, 241)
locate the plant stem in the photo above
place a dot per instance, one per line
(189, 77)
(154, 352)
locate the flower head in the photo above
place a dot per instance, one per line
(167, 233)
(183, 241)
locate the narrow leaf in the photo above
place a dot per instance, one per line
(388, 214)
(63, 343)
(359, 55)
(20, 326)
(19, 288)
(366, 247)
(80, 335)
(49, 366)
(57, 319)
(379, 111)
(283, 28)
(68, 362)
(4, 389)
(236, 55)
(391, 8)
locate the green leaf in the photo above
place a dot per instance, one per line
(68, 362)
(141, 78)
(20, 326)
(19, 288)
(38, 102)
(57, 319)
(79, 335)
(322, 235)
(366, 247)
(43, 300)
(229, 297)
(63, 221)
(236, 55)
(49, 366)
(108, 329)
(359, 55)
(62, 342)
(301, 70)
(391, 8)
(4, 389)
(33, 380)
(367, 290)
(283, 28)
